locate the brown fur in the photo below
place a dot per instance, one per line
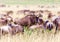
(27, 21)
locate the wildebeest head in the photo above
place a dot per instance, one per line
(34, 19)
(40, 21)
(49, 25)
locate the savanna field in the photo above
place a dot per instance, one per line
(36, 35)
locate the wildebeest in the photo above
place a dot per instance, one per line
(27, 21)
(57, 23)
(40, 20)
(5, 30)
(9, 19)
(11, 29)
(48, 25)
(4, 19)
(16, 28)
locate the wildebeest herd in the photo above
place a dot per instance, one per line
(32, 20)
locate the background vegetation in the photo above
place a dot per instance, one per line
(27, 2)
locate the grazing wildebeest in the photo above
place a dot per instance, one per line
(48, 25)
(27, 21)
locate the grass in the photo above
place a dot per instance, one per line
(31, 35)
(28, 2)
(35, 36)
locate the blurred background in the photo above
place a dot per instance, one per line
(29, 2)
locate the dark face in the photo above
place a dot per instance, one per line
(34, 19)
(50, 26)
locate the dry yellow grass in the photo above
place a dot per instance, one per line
(34, 37)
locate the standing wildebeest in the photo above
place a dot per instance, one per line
(57, 23)
(27, 21)
(5, 30)
(16, 28)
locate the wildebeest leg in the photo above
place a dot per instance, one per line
(0, 33)
(56, 28)
(10, 32)
(29, 23)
